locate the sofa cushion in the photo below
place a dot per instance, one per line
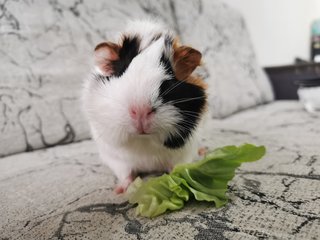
(236, 81)
(45, 53)
(45, 50)
(65, 192)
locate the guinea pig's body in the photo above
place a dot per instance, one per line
(144, 106)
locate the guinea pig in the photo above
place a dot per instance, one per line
(142, 102)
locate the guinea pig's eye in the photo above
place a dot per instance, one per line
(153, 109)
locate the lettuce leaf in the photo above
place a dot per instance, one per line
(204, 180)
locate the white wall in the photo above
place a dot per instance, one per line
(279, 29)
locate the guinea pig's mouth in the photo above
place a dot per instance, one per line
(144, 134)
(142, 131)
(141, 134)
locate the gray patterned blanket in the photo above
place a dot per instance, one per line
(65, 192)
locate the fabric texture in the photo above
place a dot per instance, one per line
(46, 48)
(66, 193)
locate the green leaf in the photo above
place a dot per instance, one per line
(204, 180)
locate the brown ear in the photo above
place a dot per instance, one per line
(104, 54)
(186, 59)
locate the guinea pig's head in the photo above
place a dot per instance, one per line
(146, 91)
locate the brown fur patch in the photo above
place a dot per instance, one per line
(105, 53)
(186, 59)
(198, 81)
(110, 45)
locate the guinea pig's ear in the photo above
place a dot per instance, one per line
(104, 55)
(186, 59)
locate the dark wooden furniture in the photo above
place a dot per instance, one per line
(285, 80)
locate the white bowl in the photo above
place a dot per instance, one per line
(310, 97)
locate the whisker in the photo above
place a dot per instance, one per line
(197, 116)
(187, 99)
(104, 96)
(186, 111)
(177, 132)
(171, 88)
(186, 124)
(161, 128)
(187, 127)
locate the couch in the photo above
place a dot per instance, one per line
(52, 183)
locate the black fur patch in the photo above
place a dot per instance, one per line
(166, 64)
(168, 41)
(129, 49)
(156, 37)
(188, 98)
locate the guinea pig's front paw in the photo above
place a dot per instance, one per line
(122, 186)
(202, 151)
(169, 167)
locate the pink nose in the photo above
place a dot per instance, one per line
(141, 116)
